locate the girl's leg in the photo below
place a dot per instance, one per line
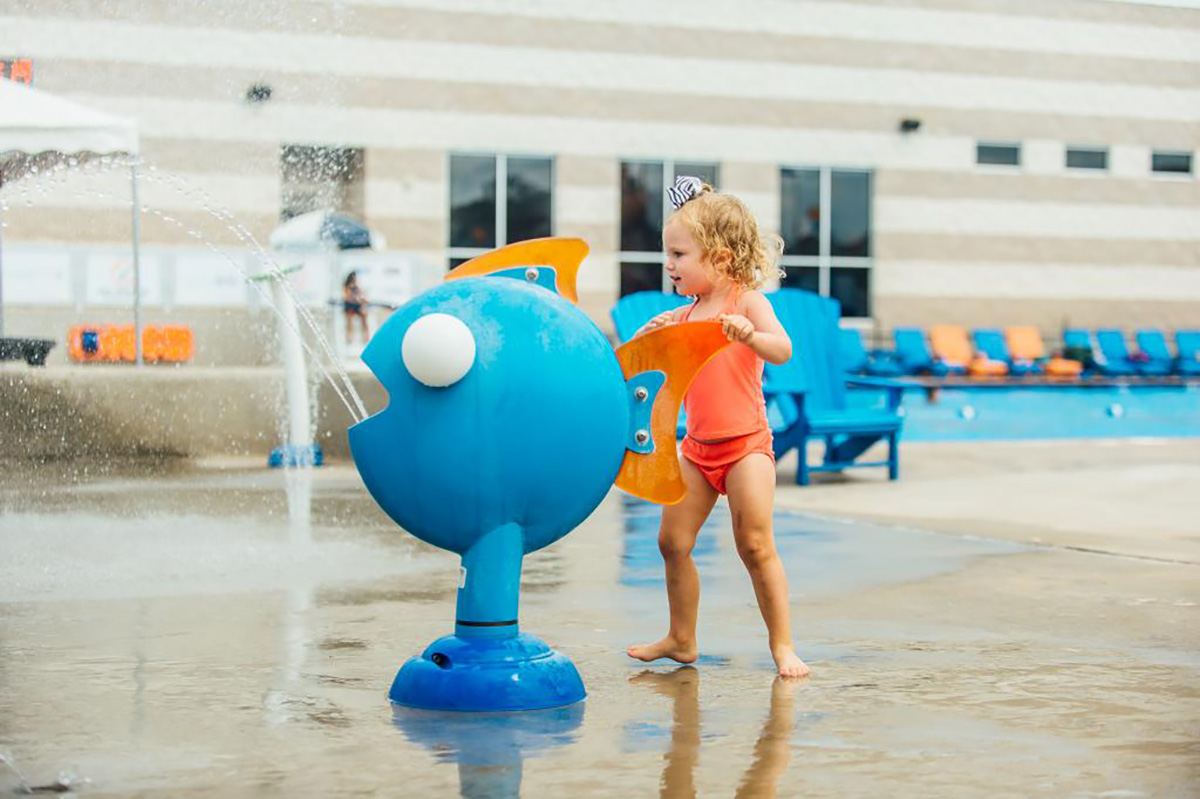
(751, 488)
(677, 535)
(349, 327)
(366, 329)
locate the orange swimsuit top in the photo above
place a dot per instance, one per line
(726, 398)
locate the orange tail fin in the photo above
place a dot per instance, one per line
(563, 255)
(678, 351)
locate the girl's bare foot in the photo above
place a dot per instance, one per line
(668, 647)
(788, 663)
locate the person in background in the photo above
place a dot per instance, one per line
(354, 305)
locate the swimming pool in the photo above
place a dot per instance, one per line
(1047, 412)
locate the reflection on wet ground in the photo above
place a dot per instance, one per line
(233, 631)
(772, 748)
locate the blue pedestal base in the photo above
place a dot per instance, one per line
(292, 456)
(488, 674)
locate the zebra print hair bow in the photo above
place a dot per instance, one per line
(686, 188)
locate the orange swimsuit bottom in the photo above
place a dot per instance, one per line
(725, 407)
(715, 460)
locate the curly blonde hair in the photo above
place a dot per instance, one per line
(719, 221)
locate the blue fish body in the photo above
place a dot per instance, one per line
(505, 431)
(532, 436)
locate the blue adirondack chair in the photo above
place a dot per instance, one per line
(1154, 345)
(810, 390)
(913, 352)
(994, 346)
(1187, 344)
(634, 310)
(1117, 360)
(857, 360)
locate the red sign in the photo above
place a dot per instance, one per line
(18, 69)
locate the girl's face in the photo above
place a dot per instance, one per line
(687, 267)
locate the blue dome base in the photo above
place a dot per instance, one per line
(488, 675)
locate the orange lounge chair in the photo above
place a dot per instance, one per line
(115, 343)
(1025, 344)
(167, 343)
(950, 343)
(154, 342)
(179, 343)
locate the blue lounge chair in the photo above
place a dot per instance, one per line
(634, 310)
(1118, 363)
(1187, 344)
(1117, 360)
(856, 359)
(992, 343)
(1077, 338)
(913, 353)
(810, 390)
(1077, 345)
(1153, 345)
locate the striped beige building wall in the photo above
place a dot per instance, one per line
(753, 87)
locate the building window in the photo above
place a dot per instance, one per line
(1087, 158)
(480, 220)
(1168, 161)
(644, 211)
(315, 178)
(998, 154)
(826, 228)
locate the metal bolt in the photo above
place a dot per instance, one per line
(640, 393)
(641, 436)
(531, 275)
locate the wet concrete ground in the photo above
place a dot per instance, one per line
(223, 630)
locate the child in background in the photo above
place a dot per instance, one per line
(716, 254)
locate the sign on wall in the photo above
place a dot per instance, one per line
(310, 284)
(36, 278)
(110, 279)
(17, 69)
(209, 279)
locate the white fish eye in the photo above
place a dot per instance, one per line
(438, 350)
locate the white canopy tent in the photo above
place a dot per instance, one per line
(33, 122)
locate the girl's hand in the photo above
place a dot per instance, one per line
(737, 327)
(662, 320)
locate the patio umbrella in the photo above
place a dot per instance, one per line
(320, 229)
(35, 122)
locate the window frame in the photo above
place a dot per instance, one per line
(1176, 174)
(501, 217)
(647, 256)
(994, 143)
(1085, 148)
(350, 181)
(824, 260)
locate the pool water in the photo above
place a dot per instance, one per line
(1009, 413)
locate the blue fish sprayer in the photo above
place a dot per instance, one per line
(509, 418)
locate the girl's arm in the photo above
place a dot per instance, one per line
(758, 328)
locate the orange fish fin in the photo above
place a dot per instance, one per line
(678, 351)
(564, 255)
